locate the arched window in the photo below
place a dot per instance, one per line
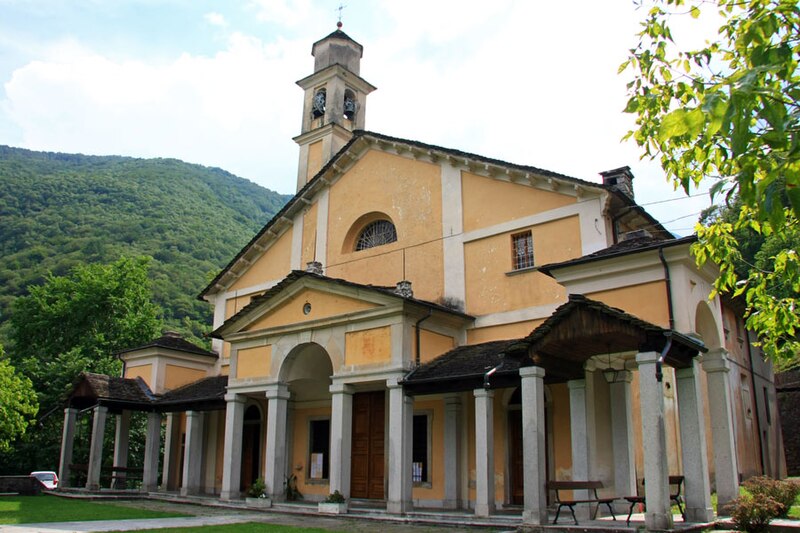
(318, 105)
(349, 105)
(375, 234)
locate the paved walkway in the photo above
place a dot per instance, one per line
(126, 525)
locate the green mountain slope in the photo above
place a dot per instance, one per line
(59, 210)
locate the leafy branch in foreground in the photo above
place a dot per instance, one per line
(731, 110)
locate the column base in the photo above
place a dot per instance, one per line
(484, 509)
(450, 504)
(699, 515)
(534, 518)
(401, 507)
(230, 495)
(658, 521)
(92, 487)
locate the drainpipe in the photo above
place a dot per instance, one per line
(671, 313)
(416, 328)
(664, 352)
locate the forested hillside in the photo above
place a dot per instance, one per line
(59, 210)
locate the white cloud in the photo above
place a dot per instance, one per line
(289, 13)
(216, 19)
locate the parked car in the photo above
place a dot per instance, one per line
(48, 479)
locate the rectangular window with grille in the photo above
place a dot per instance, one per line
(420, 452)
(319, 448)
(522, 250)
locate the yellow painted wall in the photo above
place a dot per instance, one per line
(273, 264)
(432, 345)
(562, 441)
(407, 191)
(253, 362)
(177, 376)
(323, 305)
(314, 159)
(435, 408)
(515, 330)
(142, 371)
(368, 346)
(488, 262)
(300, 446)
(647, 301)
(309, 235)
(234, 305)
(488, 201)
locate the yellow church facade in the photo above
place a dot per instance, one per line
(427, 328)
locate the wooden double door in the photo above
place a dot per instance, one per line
(367, 458)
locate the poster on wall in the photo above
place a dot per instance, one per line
(316, 465)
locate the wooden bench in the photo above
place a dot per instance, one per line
(675, 486)
(589, 486)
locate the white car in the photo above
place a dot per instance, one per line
(48, 479)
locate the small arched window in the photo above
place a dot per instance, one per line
(349, 105)
(375, 234)
(318, 104)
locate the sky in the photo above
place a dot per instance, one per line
(530, 82)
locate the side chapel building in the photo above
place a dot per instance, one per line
(431, 328)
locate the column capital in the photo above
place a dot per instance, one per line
(531, 372)
(278, 391)
(341, 388)
(716, 361)
(100, 408)
(576, 384)
(70, 410)
(452, 401)
(645, 358)
(622, 376)
(394, 382)
(483, 393)
(686, 373)
(235, 398)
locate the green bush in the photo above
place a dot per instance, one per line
(752, 513)
(257, 489)
(335, 497)
(783, 493)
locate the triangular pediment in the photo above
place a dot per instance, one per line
(303, 298)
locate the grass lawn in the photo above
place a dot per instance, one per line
(44, 508)
(247, 527)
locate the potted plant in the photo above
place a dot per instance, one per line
(256, 497)
(335, 503)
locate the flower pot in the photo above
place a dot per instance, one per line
(332, 508)
(261, 503)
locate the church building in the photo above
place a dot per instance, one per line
(424, 328)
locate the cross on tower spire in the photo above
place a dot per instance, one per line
(340, 9)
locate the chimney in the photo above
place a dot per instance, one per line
(172, 334)
(620, 179)
(404, 289)
(314, 267)
(636, 234)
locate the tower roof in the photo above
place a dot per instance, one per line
(338, 34)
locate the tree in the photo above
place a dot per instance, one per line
(73, 324)
(730, 112)
(18, 404)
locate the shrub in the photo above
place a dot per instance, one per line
(781, 492)
(257, 489)
(335, 497)
(752, 513)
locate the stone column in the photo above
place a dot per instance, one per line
(67, 445)
(232, 456)
(654, 441)
(697, 489)
(152, 444)
(401, 426)
(96, 448)
(484, 452)
(452, 434)
(579, 438)
(172, 440)
(121, 439)
(277, 403)
(341, 437)
(726, 470)
(193, 454)
(622, 434)
(534, 444)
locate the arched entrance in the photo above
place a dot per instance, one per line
(251, 446)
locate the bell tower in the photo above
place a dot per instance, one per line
(334, 104)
